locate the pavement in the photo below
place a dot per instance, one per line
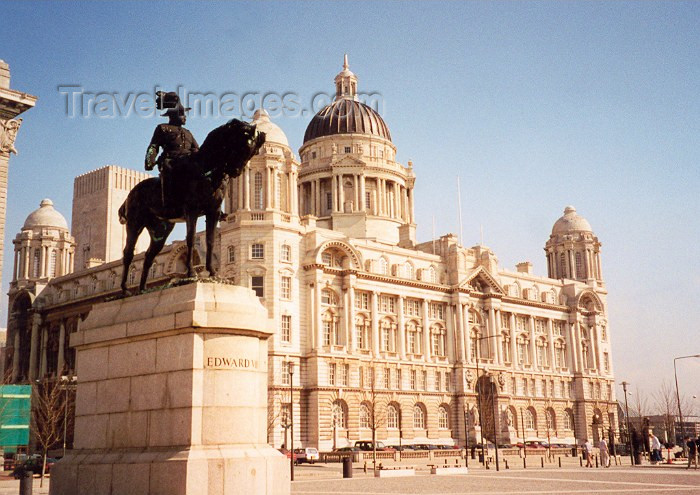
(320, 479)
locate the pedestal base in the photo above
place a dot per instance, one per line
(222, 470)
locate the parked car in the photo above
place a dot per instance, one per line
(401, 447)
(289, 454)
(33, 464)
(367, 445)
(447, 447)
(309, 454)
(536, 444)
(425, 446)
(348, 449)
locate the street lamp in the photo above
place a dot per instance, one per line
(67, 382)
(466, 435)
(290, 370)
(478, 402)
(678, 395)
(627, 415)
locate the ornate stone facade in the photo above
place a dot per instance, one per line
(371, 319)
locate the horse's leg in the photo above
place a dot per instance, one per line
(132, 235)
(191, 219)
(159, 234)
(212, 219)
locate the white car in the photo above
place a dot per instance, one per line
(309, 454)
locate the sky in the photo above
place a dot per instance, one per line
(533, 105)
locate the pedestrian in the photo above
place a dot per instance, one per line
(588, 449)
(604, 453)
(692, 451)
(655, 447)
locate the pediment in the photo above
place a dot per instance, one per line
(348, 161)
(481, 281)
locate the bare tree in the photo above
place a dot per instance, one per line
(376, 408)
(666, 405)
(275, 408)
(48, 410)
(639, 407)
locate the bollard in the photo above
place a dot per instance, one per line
(559, 461)
(347, 467)
(596, 461)
(26, 483)
(487, 464)
(524, 462)
(506, 461)
(580, 461)
(365, 467)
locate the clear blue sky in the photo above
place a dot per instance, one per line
(535, 105)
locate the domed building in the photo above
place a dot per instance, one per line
(437, 338)
(44, 249)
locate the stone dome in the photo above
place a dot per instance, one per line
(571, 222)
(346, 116)
(45, 216)
(273, 132)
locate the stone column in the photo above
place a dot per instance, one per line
(246, 183)
(533, 343)
(172, 400)
(362, 193)
(426, 333)
(450, 337)
(513, 342)
(341, 195)
(375, 324)
(334, 193)
(550, 341)
(355, 193)
(44, 351)
(317, 313)
(61, 350)
(462, 332)
(402, 328)
(352, 344)
(410, 205)
(34, 347)
(15, 357)
(496, 338)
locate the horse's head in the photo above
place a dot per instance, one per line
(231, 146)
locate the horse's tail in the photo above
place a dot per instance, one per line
(122, 213)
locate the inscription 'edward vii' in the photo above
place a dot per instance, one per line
(231, 363)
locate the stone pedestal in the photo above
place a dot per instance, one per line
(172, 397)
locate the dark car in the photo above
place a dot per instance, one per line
(348, 449)
(33, 464)
(401, 447)
(425, 446)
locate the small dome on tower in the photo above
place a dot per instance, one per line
(571, 222)
(273, 132)
(45, 216)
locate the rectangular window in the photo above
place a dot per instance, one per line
(286, 328)
(348, 149)
(286, 287)
(331, 374)
(437, 311)
(387, 378)
(448, 381)
(286, 376)
(413, 380)
(606, 361)
(505, 321)
(361, 300)
(286, 253)
(368, 200)
(361, 376)
(424, 381)
(344, 372)
(438, 381)
(329, 201)
(231, 254)
(411, 307)
(387, 304)
(398, 379)
(327, 333)
(258, 285)
(257, 251)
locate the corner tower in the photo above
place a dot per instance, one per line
(349, 178)
(573, 251)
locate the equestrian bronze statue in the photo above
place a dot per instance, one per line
(196, 185)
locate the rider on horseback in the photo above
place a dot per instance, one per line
(175, 140)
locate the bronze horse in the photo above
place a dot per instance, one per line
(200, 182)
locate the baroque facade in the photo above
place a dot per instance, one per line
(426, 335)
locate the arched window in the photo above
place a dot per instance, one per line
(559, 356)
(443, 418)
(522, 346)
(505, 346)
(585, 355)
(388, 335)
(542, 347)
(432, 278)
(362, 332)
(339, 412)
(408, 270)
(413, 337)
(529, 419)
(383, 266)
(331, 330)
(562, 265)
(438, 338)
(286, 253)
(258, 191)
(365, 416)
(36, 263)
(278, 192)
(392, 417)
(568, 419)
(550, 417)
(418, 417)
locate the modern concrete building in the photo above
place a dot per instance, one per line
(371, 320)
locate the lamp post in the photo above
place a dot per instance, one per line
(478, 402)
(678, 395)
(466, 434)
(627, 415)
(67, 382)
(290, 366)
